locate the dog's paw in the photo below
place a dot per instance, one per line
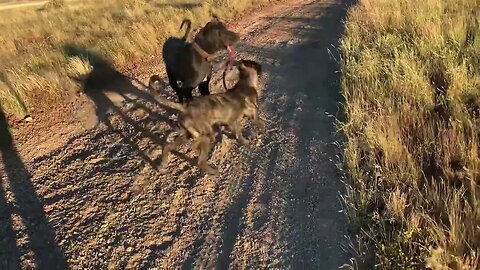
(211, 170)
(244, 141)
(162, 171)
(262, 126)
(259, 141)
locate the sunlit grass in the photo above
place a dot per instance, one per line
(124, 31)
(411, 81)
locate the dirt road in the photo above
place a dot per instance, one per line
(92, 199)
(12, 4)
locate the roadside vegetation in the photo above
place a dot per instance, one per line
(411, 82)
(36, 69)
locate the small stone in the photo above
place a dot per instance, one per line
(95, 160)
(124, 197)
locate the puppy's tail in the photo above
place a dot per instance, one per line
(155, 85)
(176, 106)
(188, 23)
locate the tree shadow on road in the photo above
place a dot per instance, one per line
(21, 212)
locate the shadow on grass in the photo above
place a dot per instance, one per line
(185, 6)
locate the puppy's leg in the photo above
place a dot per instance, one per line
(252, 114)
(204, 145)
(181, 139)
(259, 122)
(236, 128)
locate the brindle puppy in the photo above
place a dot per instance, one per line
(188, 65)
(199, 117)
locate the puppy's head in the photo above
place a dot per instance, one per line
(250, 71)
(249, 67)
(157, 84)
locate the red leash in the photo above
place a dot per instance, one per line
(230, 59)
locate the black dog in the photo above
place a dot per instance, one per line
(188, 65)
(200, 116)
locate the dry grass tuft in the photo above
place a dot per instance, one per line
(34, 41)
(78, 68)
(54, 4)
(411, 82)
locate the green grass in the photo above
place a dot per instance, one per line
(34, 66)
(411, 82)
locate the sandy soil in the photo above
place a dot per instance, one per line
(91, 198)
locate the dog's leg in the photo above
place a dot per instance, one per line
(169, 147)
(259, 122)
(236, 128)
(203, 87)
(204, 145)
(181, 97)
(187, 92)
(176, 88)
(252, 114)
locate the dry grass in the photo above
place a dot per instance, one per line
(34, 63)
(412, 89)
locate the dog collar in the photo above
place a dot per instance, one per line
(208, 57)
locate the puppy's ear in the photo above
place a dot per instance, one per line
(258, 68)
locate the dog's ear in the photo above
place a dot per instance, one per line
(250, 64)
(241, 65)
(258, 68)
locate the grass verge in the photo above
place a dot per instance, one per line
(411, 82)
(35, 68)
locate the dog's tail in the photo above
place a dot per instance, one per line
(188, 23)
(155, 85)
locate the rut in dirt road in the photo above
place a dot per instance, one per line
(275, 204)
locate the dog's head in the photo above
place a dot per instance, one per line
(215, 36)
(249, 71)
(249, 68)
(156, 84)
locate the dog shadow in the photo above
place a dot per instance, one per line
(115, 94)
